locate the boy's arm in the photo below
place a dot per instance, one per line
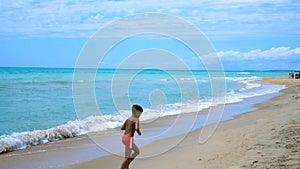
(137, 127)
(124, 126)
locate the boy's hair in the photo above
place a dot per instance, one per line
(136, 108)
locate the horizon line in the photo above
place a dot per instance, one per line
(39, 67)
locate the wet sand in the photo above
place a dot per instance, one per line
(268, 137)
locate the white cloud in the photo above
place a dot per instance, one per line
(272, 53)
(98, 16)
(215, 18)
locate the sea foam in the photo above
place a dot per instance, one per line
(17, 141)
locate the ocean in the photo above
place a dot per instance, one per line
(37, 104)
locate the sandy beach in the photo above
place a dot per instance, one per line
(268, 137)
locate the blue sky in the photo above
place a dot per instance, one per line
(247, 34)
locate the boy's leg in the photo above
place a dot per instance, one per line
(136, 150)
(125, 163)
(136, 153)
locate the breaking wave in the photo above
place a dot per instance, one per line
(17, 141)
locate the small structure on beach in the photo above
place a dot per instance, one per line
(297, 74)
(294, 74)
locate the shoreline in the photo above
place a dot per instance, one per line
(253, 139)
(76, 150)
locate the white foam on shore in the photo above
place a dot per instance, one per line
(75, 128)
(23, 140)
(252, 89)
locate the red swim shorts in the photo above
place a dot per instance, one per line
(127, 141)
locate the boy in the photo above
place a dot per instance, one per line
(131, 125)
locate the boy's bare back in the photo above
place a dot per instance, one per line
(130, 126)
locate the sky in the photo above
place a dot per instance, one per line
(246, 34)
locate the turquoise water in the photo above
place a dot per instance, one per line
(40, 100)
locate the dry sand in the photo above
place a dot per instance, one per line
(268, 137)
